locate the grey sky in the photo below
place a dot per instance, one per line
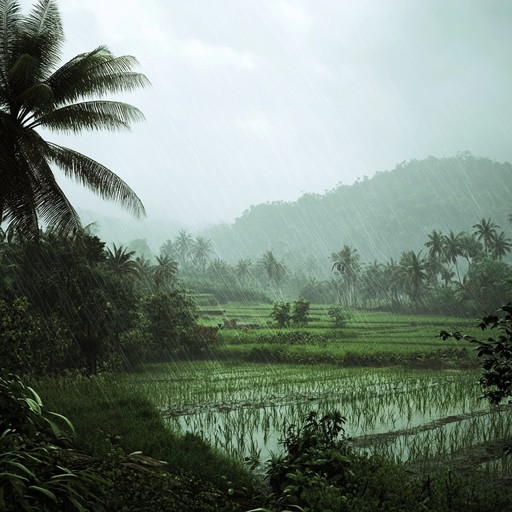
(255, 101)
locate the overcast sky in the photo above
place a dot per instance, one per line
(263, 100)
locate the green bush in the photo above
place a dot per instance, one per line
(287, 338)
(300, 312)
(339, 316)
(281, 313)
(29, 344)
(316, 464)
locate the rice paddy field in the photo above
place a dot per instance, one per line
(413, 416)
(366, 333)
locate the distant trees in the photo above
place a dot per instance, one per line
(346, 264)
(485, 231)
(284, 313)
(183, 245)
(414, 273)
(273, 269)
(201, 251)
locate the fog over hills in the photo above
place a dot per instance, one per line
(381, 216)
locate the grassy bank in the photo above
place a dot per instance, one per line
(112, 417)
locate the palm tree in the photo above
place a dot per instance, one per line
(435, 255)
(346, 263)
(414, 271)
(392, 281)
(446, 275)
(183, 245)
(471, 248)
(500, 246)
(120, 261)
(453, 248)
(168, 248)
(35, 93)
(164, 272)
(243, 269)
(435, 245)
(273, 268)
(144, 271)
(201, 249)
(486, 230)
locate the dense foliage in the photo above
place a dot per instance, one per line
(495, 354)
(68, 302)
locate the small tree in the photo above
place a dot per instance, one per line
(281, 313)
(300, 312)
(338, 316)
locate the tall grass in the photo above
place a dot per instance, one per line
(109, 411)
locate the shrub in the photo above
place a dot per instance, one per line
(287, 338)
(281, 313)
(339, 316)
(29, 345)
(201, 339)
(300, 312)
(316, 464)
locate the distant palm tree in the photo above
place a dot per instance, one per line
(414, 271)
(201, 250)
(243, 269)
(144, 272)
(392, 280)
(471, 248)
(447, 275)
(168, 248)
(453, 248)
(486, 230)
(120, 261)
(500, 246)
(273, 268)
(346, 263)
(183, 244)
(164, 272)
(435, 245)
(35, 93)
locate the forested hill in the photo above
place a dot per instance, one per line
(381, 216)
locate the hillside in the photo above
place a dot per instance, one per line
(381, 216)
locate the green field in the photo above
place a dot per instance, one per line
(367, 334)
(424, 418)
(407, 415)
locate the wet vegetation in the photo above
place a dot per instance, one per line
(339, 380)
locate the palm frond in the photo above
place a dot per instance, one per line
(90, 115)
(43, 36)
(18, 205)
(95, 73)
(95, 177)
(10, 18)
(52, 204)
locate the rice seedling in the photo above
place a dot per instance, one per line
(244, 409)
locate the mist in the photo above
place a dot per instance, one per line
(256, 102)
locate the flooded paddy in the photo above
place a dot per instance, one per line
(407, 415)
